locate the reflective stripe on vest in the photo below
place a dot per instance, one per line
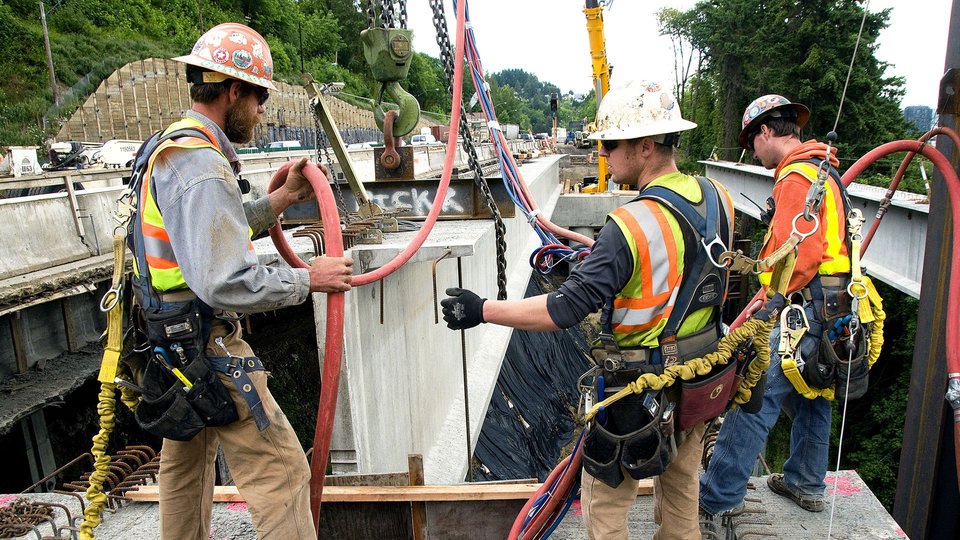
(165, 272)
(835, 258)
(642, 307)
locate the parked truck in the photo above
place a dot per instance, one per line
(511, 131)
(440, 133)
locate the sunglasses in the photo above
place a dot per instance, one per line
(609, 146)
(262, 95)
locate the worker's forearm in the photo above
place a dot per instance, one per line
(527, 314)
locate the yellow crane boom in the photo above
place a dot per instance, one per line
(593, 9)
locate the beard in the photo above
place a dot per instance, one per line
(239, 123)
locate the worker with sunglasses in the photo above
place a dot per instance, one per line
(649, 273)
(195, 270)
(771, 127)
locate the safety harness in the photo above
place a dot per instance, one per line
(174, 320)
(830, 356)
(641, 433)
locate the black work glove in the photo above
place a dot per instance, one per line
(463, 309)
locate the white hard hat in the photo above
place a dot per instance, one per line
(638, 109)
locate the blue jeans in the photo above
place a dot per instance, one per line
(742, 436)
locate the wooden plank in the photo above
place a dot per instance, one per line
(364, 521)
(378, 479)
(19, 343)
(378, 493)
(460, 492)
(466, 520)
(418, 510)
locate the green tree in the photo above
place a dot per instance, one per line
(798, 49)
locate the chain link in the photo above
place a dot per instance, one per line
(386, 12)
(446, 56)
(403, 13)
(371, 15)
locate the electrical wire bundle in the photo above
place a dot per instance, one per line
(553, 251)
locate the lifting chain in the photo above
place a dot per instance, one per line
(389, 16)
(446, 57)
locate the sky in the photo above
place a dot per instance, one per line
(549, 38)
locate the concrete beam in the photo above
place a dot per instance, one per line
(402, 385)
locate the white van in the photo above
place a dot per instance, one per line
(422, 140)
(284, 145)
(119, 153)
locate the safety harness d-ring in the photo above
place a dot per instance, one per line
(803, 236)
(852, 288)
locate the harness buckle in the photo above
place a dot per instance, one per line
(708, 247)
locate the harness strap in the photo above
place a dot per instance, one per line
(238, 368)
(705, 287)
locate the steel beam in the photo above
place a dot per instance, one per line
(464, 200)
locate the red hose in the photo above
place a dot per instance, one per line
(333, 351)
(557, 499)
(953, 189)
(899, 174)
(333, 241)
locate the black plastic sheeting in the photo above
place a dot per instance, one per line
(530, 417)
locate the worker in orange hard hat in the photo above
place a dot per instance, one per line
(195, 270)
(819, 305)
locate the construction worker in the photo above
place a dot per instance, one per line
(637, 271)
(771, 130)
(194, 255)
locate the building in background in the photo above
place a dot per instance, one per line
(920, 117)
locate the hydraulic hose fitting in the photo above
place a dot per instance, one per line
(953, 394)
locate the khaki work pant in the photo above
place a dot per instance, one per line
(268, 467)
(675, 497)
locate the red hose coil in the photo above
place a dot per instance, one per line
(333, 240)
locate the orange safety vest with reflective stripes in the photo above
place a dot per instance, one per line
(642, 307)
(834, 259)
(165, 274)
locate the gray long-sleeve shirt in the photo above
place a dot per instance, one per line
(207, 222)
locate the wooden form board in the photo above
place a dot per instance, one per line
(461, 492)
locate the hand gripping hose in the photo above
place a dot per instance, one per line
(335, 302)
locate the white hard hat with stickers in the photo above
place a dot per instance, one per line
(638, 109)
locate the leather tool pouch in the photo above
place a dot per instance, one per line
(169, 409)
(706, 397)
(832, 300)
(638, 434)
(838, 354)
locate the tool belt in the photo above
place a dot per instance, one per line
(640, 432)
(828, 354)
(180, 394)
(637, 434)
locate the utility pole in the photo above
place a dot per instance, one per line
(46, 43)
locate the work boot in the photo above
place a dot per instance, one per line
(808, 502)
(715, 526)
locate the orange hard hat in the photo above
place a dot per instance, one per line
(770, 106)
(232, 50)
